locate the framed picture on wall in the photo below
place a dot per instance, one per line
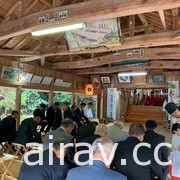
(124, 79)
(10, 73)
(105, 80)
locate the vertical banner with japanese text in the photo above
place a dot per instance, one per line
(111, 103)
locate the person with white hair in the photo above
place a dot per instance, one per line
(100, 168)
(101, 130)
(116, 132)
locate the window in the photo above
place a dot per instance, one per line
(62, 97)
(30, 100)
(7, 101)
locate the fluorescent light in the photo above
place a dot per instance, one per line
(133, 74)
(58, 28)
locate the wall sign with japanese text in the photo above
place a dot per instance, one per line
(111, 103)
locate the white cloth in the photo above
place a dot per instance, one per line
(175, 141)
(176, 163)
(62, 112)
(88, 112)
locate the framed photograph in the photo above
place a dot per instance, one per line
(10, 73)
(105, 80)
(124, 79)
(158, 78)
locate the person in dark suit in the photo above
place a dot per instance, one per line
(60, 115)
(40, 111)
(131, 168)
(80, 112)
(87, 130)
(27, 131)
(63, 131)
(8, 127)
(154, 139)
(74, 117)
(50, 114)
(100, 168)
(46, 171)
(101, 131)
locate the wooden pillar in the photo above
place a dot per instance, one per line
(18, 104)
(51, 95)
(102, 104)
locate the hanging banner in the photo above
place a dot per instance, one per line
(173, 94)
(173, 90)
(111, 103)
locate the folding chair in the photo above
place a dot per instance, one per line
(6, 168)
(2, 147)
(19, 148)
(6, 148)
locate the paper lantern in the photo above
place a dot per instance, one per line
(89, 89)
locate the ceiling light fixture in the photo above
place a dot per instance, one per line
(58, 28)
(133, 73)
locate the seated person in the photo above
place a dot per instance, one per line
(8, 127)
(87, 130)
(63, 131)
(27, 131)
(151, 100)
(99, 170)
(125, 150)
(46, 171)
(115, 132)
(101, 131)
(154, 139)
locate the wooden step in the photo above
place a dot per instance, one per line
(143, 113)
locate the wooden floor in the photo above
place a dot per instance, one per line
(16, 165)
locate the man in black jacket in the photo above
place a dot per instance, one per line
(46, 171)
(40, 111)
(125, 163)
(154, 139)
(80, 113)
(60, 115)
(51, 113)
(27, 131)
(8, 127)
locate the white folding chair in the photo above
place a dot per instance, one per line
(5, 169)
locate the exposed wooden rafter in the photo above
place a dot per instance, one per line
(144, 54)
(115, 69)
(102, 8)
(161, 14)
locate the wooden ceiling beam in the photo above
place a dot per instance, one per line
(175, 13)
(115, 69)
(147, 53)
(143, 19)
(162, 17)
(103, 8)
(57, 3)
(47, 3)
(131, 25)
(6, 52)
(140, 41)
(14, 7)
(31, 6)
